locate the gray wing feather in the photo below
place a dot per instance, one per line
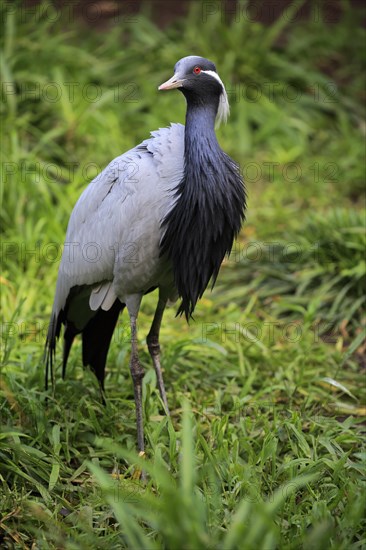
(123, 205)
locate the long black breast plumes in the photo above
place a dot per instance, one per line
(206, 218)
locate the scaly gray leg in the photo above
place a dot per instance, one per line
(154, 348)
(137, 373)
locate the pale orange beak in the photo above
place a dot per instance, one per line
(174, 82)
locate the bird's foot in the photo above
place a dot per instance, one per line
(139, 473)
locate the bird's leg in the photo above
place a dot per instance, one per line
(154, 348)
(102, 393)
(137, 373)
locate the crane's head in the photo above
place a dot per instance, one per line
(197, 78)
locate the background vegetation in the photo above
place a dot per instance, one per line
(264, 448)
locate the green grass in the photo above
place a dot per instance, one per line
(265, 445)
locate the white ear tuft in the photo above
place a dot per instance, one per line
(224, 107)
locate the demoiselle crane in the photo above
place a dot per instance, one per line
(163, 215)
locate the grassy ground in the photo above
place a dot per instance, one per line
(265, 446)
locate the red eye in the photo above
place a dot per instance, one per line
(197, 70)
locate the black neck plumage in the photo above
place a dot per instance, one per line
(209, 210)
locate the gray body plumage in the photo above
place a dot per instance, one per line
(112, 242)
